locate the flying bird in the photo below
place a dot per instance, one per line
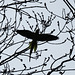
(36, 37)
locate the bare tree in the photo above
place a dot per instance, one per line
(25, 26)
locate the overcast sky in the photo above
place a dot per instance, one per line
(53, 49)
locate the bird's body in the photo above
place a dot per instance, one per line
(33, 45)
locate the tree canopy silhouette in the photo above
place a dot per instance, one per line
(50, 56)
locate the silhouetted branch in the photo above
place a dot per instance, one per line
(28, 16)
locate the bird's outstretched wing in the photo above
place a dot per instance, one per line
(26, 33)
(46, 37)
(38, 37)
